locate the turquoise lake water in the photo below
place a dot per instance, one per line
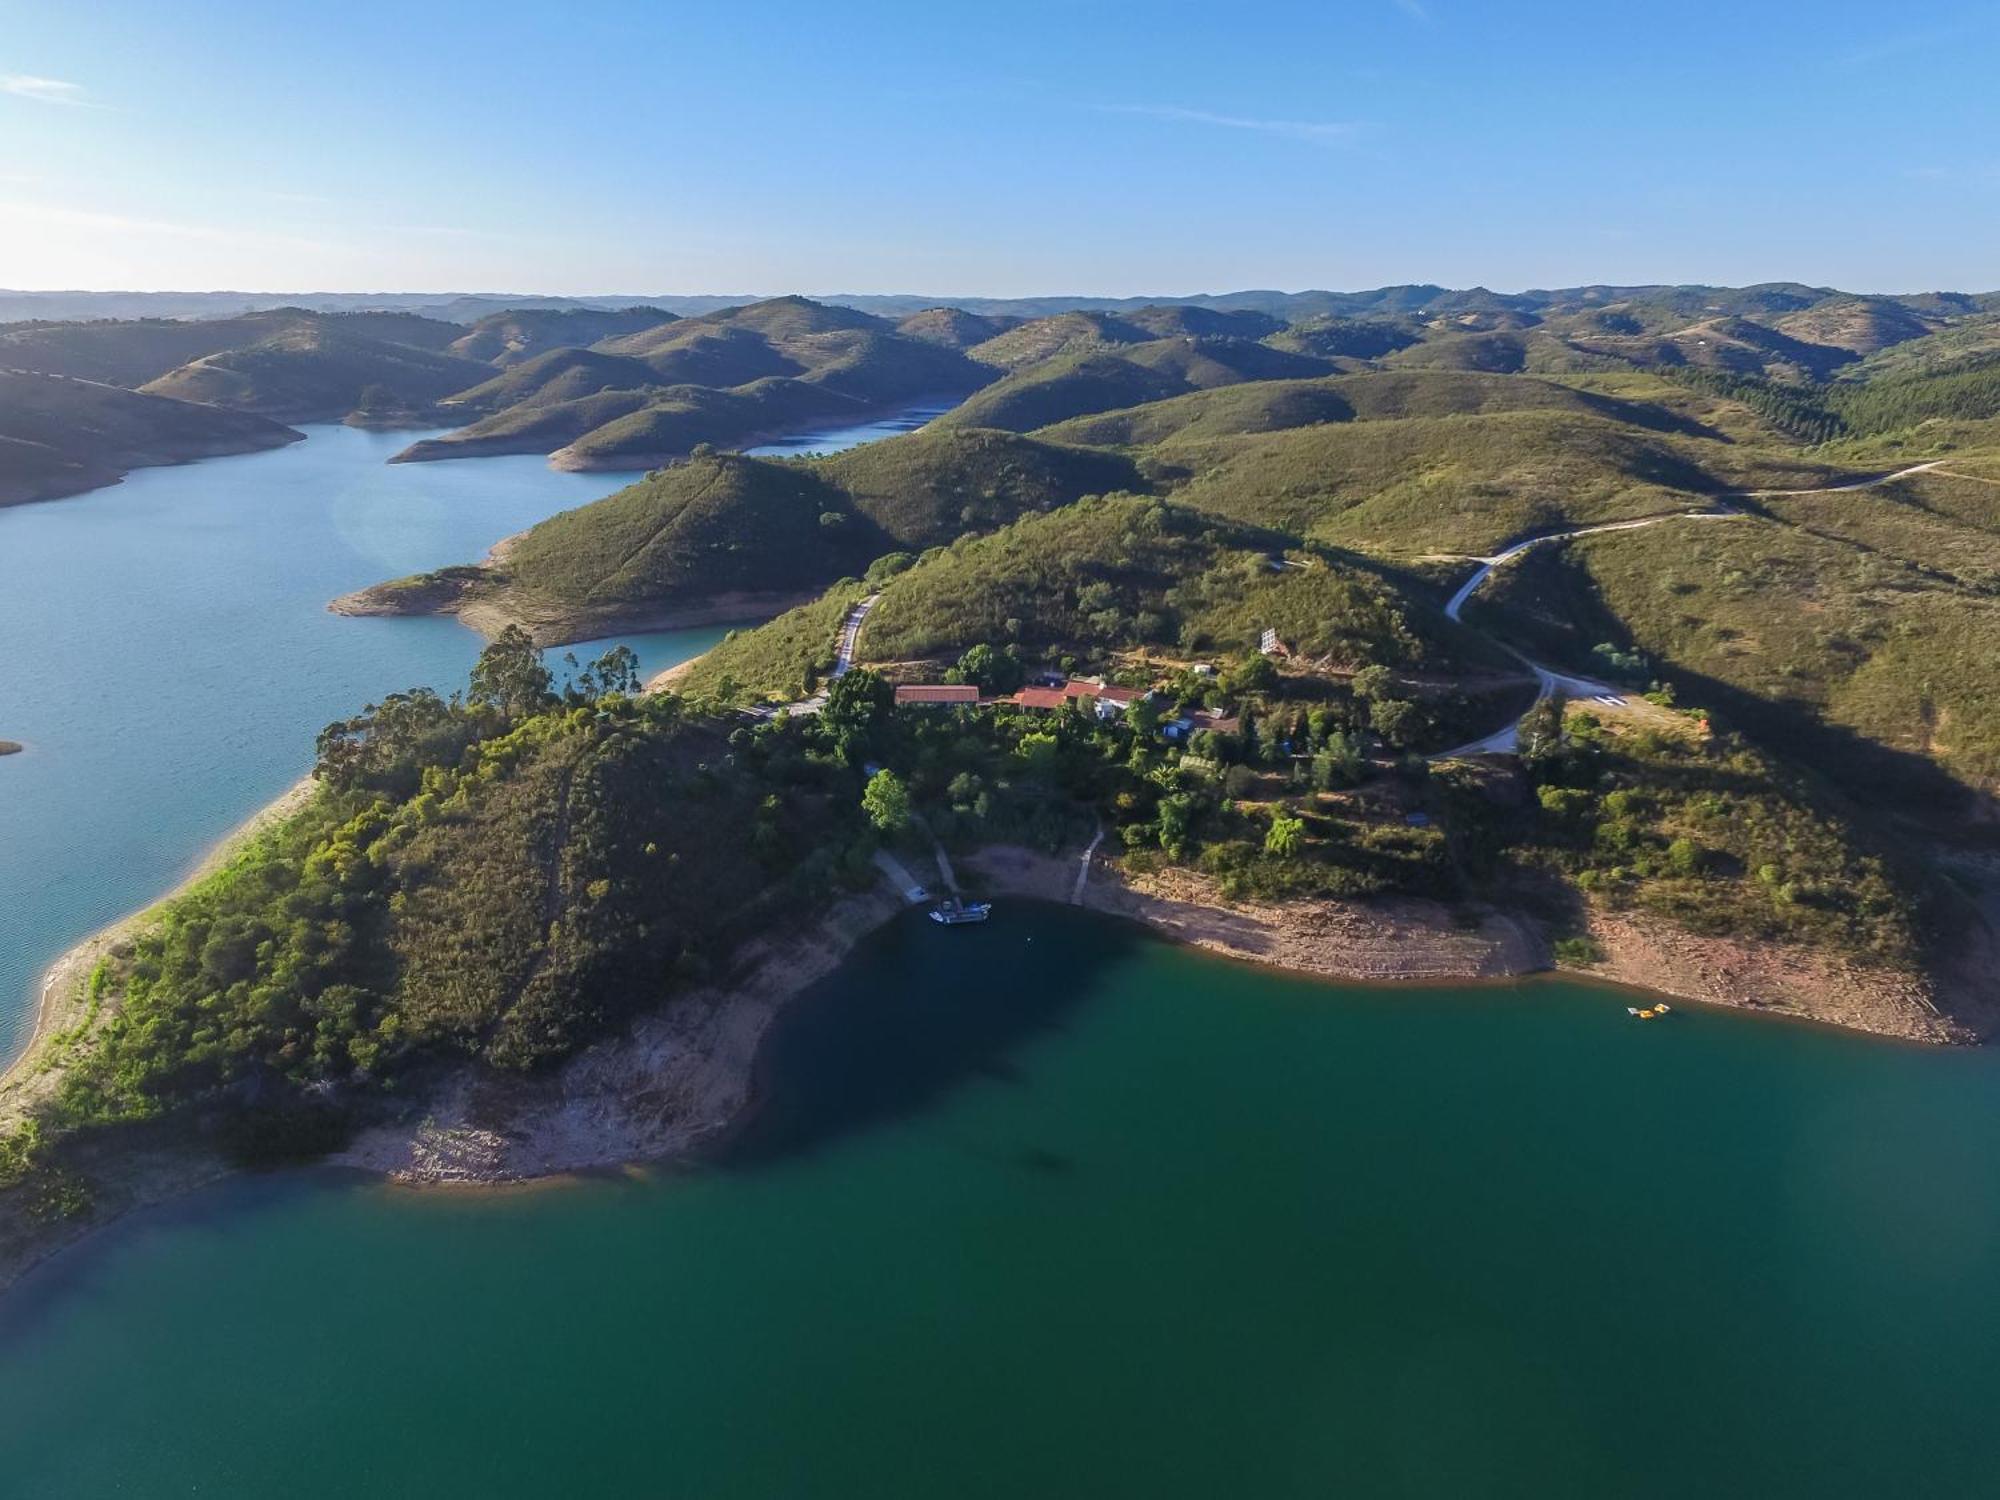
(1048, 1208)
(169, 656)
(1044, 1207)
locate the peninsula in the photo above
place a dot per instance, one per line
(1345, 643)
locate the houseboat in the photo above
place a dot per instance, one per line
(951, 911)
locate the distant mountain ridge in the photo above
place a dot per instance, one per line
(470, 307)
(639, 385)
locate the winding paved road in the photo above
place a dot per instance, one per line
(1547, 679)
(843, 663)
(1507, 737)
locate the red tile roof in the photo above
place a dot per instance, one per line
(1039, 697)
(940, 692)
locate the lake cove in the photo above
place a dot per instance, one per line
(170, 656)
(1051, 1207)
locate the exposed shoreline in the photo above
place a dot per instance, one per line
(684, 1075)
(445, 449)
(138, 1174)
(482, 602)
(60, 998)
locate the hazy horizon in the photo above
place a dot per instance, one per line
(946, 299)
(1111, 149)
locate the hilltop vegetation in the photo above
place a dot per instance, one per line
(953, 327)
(727, 378)
(500, 878)
(509, 338)
(1173, 481)
(734, 536)
(1128, 571)
(1418, 485)
(1067, 385)
(1091, 379)
(319, 374)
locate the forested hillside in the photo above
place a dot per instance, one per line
(1783, 731)
(728, 536)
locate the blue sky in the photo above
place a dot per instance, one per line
(1003, 149)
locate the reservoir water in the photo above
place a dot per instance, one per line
(169, 656)
(1043, 1207)
(1049, 1208)
(834, 439)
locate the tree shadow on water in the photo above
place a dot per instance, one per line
(918, 1011)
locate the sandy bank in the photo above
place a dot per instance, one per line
(63, 998)
(1413, 940)
(682, 1075)
(679, 1077)
(1403, 939)
(1775, 978)
(674, 676)
(125, 1173)
(483, 600)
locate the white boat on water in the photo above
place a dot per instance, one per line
(952, 911)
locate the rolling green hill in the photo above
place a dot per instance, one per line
(727, 378)
(1736, 345)
(1348, 338)
(1043, 339)
(725, 536)
(1089, 380)
(1211, 361)
(556, 376)
(1961, 341)
(60, 436)
(934, 486)
(1277, 405)
(1444, 484)
(319, 373)
(508, 338)
(697, 352)
(1181, 321)
(132, 353)
(1123, 571)
(530, 427)
(1261, 406)
(1861, 325)
(953, 327)
(674, 422)
(1854, 631)
(776, 320)
(1069, 385)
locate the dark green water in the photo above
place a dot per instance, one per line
(1048, 1208)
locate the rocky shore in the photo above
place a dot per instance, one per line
(684, 1074)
